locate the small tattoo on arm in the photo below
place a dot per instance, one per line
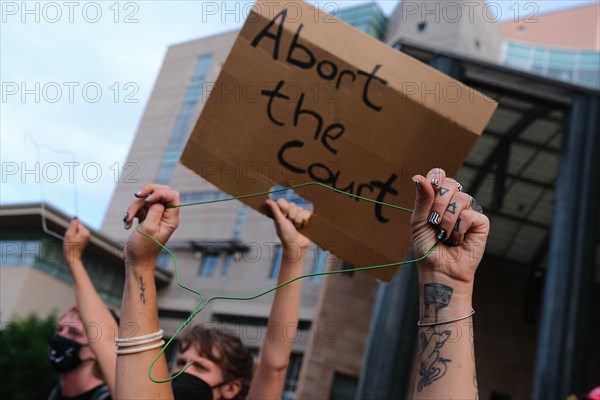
(436, 295)
(142, 291)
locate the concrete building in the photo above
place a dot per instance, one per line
(33, 275)
(563, 45)
(462, 27)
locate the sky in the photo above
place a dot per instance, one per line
(76, 76)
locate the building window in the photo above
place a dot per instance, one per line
(320, 264)
(193, 93)
(163, 259)
(276, 264)
(209, 264)
(422, 26)
(227, 264)
(19, 252)
(347, 266)
(201, 197)
(291, 376)
(343, 387)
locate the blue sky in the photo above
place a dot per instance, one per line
(75, 81)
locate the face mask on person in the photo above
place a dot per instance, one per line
(64, 353)
(188, 387)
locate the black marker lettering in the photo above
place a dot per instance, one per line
(277, 38)
(370, 77)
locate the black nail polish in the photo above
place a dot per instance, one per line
(454, 243)
(441, 234)
(148, 197)
(460, 187)
(435, 182)
(418, 185)
(434, 218)
(125, 216)
(138, 193)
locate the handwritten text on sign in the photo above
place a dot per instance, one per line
(301, 56)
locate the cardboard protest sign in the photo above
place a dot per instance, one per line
(304, 97)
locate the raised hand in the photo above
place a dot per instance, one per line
(158, 218)
(288, 219)
(444, 215)
(76, 239)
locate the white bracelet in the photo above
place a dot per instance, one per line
(154, 336)
(419, 323)
(137, 342)
(140, 349)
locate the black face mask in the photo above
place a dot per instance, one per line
(64, 353)
(190, 387)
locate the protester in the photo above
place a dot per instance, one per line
(86, 367)
(222, 367)
(450, 219)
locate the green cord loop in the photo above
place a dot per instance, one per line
(200, 305)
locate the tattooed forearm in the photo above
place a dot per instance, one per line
(432, 365)
(142, 291)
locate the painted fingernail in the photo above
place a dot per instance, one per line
(434, 218)
(125, 216)
(441, 234)
(148, 198)
(452, 242)
(138, 193)
(125, 225)
(460, 187)
(435, 182)
(418, 185)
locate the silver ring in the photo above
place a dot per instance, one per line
(460, 187)
(475, 205)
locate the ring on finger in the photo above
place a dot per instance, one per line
(475, 205)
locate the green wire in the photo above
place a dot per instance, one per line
(200, 306)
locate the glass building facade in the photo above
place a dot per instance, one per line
(574, 66)
(367, 17)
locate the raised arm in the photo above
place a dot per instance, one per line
(139, 313)
(92, 310)
(445, 216)
(269, 378)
